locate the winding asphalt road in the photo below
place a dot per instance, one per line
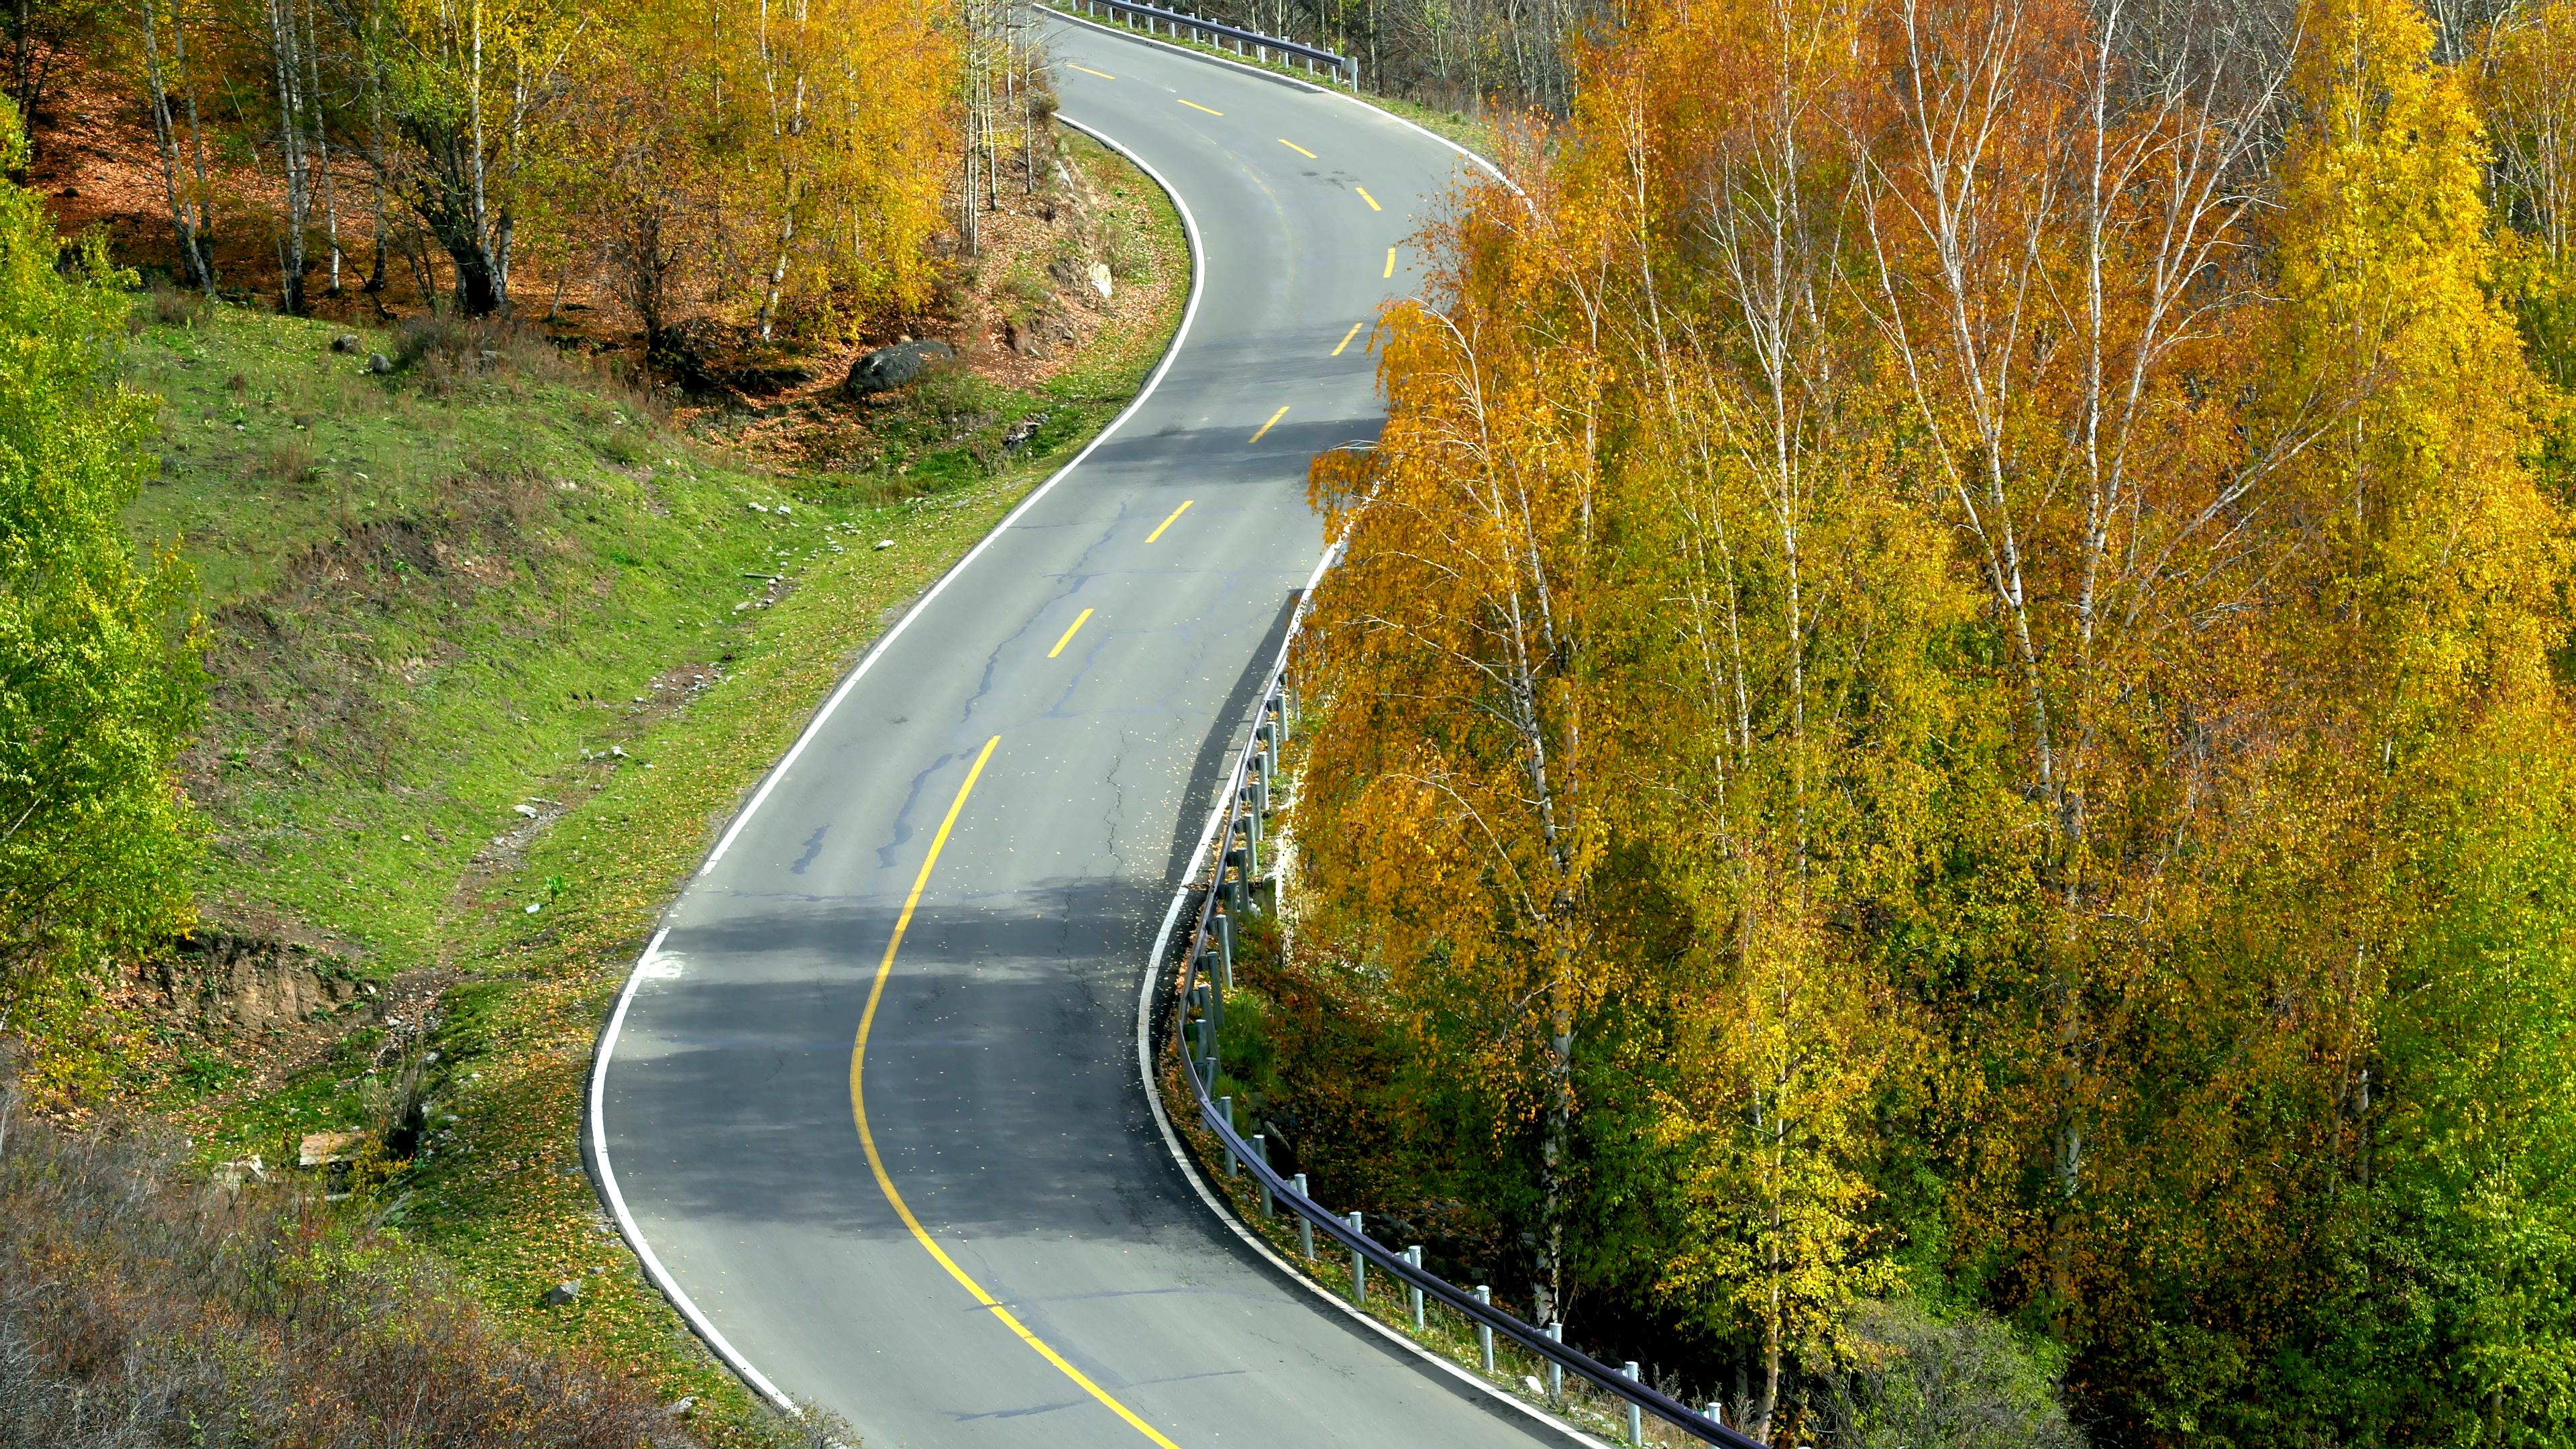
(871, 1106)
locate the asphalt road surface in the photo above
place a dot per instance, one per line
(968, 1231)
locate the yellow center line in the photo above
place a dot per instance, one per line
(1168, 522)
(1346, 338)
(1371, 200)
(1086, 70)
(1266, 427)
(876, 1162)
(1300, 150)
(1070, 630)
(1390, 263)
(1195, 106)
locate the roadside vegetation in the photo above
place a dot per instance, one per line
(466, 639)
(1950, 700)
(139, 1306)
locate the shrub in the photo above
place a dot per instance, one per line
(1921, 1380)
(135, 1310)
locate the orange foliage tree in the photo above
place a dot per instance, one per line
(1934, 583)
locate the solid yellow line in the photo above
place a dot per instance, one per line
(1195, 106)
(1371, 200)
(1346, 338)
(1300, 150)
(1071, 630)
(1266, 427)
(1390, 263)
(876, 1162)
(1166, 523)
(1086, 70)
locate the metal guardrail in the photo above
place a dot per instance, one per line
(1233, 872)
(1174, 22)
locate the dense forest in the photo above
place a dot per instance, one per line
(1950, 693)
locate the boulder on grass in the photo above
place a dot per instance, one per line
(893, 367)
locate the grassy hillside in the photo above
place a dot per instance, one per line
(495, 648)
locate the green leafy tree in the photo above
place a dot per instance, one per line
(99, 676)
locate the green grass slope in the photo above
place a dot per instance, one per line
(495, 651)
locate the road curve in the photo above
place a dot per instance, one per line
(969, 852)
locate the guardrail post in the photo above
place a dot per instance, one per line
(1305, 1225)
(1359, 1264)
(1207, 1068)
(1261, 1151)
(1716, 1412)
(1413, 1255)
(1233, 1165)
(1555, 1370)
(1225, 947)
(1485, 1331)
(1636, 1417)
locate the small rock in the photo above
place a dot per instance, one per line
(231, 1175)
(561, 1294)
(617, 752)
(1021, 431)
(685, 1407)
(534, 907)
(1531, 1383)
(885, 543)
(319, 1148)
(345, 342)
(529, 811)
(892, 367)
(379, 364)
(1100, 279)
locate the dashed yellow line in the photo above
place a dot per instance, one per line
(1069, 632)
(1371, 200)
(1266, 427)
(1300, 150)
(1346, 338)
(1086, 70)
(1195, 106)
(1168, 522)
(1390, 263)
(876, 1161)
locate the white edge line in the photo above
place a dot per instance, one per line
(653, 1268)
(1224, 1213)
(1358, 101)
(598, 1124)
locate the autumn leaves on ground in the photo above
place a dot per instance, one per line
(1951, 689)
